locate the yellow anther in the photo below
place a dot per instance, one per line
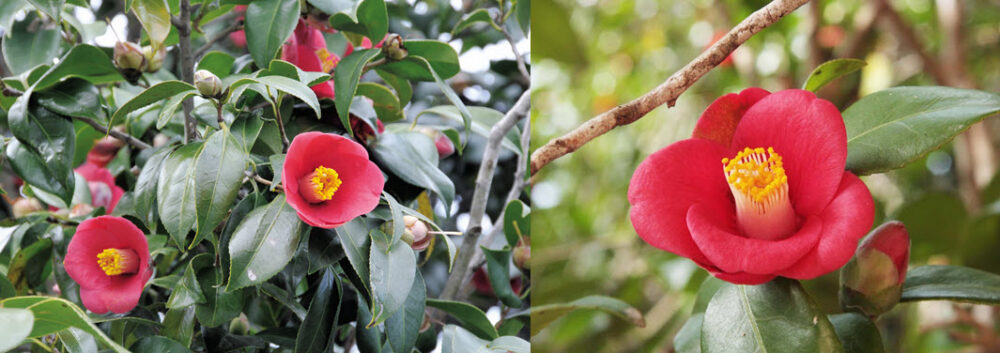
(327, 61)
(757, 173)
(118, 261)
(325, 182)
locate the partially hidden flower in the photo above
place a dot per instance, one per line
(329, 180)
(872, 281)
(416, 233)
(307, 49)
(239, 37)
(481, 282)
(759, 190)
(104, 151)
(129, 56)
(23, 206)
(109, 258)
(443, 144)
(103, 191)
(363, 131)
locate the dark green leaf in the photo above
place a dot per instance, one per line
(77, 341)
(955, 283)
(54, 314)
(84, 61)
(498, 268)
(511, 326)
(477, 16)
(346, 76)
(403, 327)
(322, 316)
(156, 93)
(891, 128)
(277, 164)
(285, 299)
(157, 343)
(522, 9)
(246, 131)
(402, 87)
(51, 137)
(400, 154)
(170, 107)
(392, 270)
(483, 119)
(438, 55)
(73, 97)
(857, 333)
(220, 305)
(516, 222)
(293, 87)
(263, 243)
(218, 63)
(219, 174)
(26, 46)
(369, 338)
(355, 240)
(831, 70)
(398, 226)
(247, 204)
(145, 186)
(188, 291)
(386, 103)
(776, 316)
(178, 325)
(27, 267)
(543, 315)
(175, 192)
(272, 22)
(370, 20)
(468, 316)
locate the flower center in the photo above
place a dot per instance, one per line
(320, 185)
(759, 185)
(118, 261)
(327, 60)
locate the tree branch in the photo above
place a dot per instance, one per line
(183, 25)
(668, 91)
(481, 194)
(116, 134)
(238, 25)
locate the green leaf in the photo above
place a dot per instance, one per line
(398, 226)
(15, 325)
(422, 56)
(314, 333)
(455, 339)
(370, 19)
(178, 325)
(403, 327)
(402, 87)
(688, 339)
(170, 107)
(523, 13)
(477, 16)
(955, 283)
(468, 316)
(218, 176)
(891, 128)
(55, 314)
(482, 120)
(392, 273)
(857, 333)
(369, 338)
(776, 316)
(287, 85)
(8, 9)
(516, 221)
(512, 325)
(346, 76)
(27, 267)
(156, 93)
(498, 269)
(145, 186)
(74, 98)
(399, 152)
(285, 299)
(84, 61)
(51, 139)
(831, 70)
(706, 291)
(77, 341)
(240, 212)
(543, 315)
(158, 343)
(218, 63)
(175, 192)
(53, 8)
(386, 103)
(154, 15)
(277, 164)
(272, 22)
(188, 291)
(246, 131)
(220, 305)
(355, 240)
(26, 46)
(263, 243)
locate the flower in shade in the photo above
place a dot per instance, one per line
(780, 202)
(307, 50)
(103, 191)
(329, 180)
(109, 258)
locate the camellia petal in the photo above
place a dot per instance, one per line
(719, 121)
(307, 49)
(100, 291)
(99, 196)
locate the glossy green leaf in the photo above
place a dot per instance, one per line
(483, 119)
(73, 98)
(145, 186)
(156, 93)
(240, 212)
(175, 192)
(246, 130)
(30, 167)
(7, 11)
(706, 291)
(893, 127)
(468, 316)
(55, 314)
(400, 153)
(402, 328)
(404, 91)
(314, 333)
(422, 55)
(218, 63)
(398, 225)
(392, 273)
(857, 333)
(272, 22)
(831, 70)
(263, 244)
(955, 283)
(285, 299)
(170, 107)
(187, 291)
(51, 139)
(218, 176)
(474, 17)
(220, 305)
(370, 19)
(16, 325)
(84, 61)
(516, 222)
(777, 316)
(154, 15)
(158, 343)
(355, 240)
(369, 338)
(26, 46)
(277, 164)
(522, 9)
(543, 315)
(385, 102)
(346, 76)
(287, 85)
(178, 325)
(75, 340)
(498, 269)
(27, 267)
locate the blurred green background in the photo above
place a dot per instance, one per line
(591, 55)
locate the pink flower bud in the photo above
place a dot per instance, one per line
(873, 280)
(417, 232)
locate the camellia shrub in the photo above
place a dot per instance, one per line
(272, 175)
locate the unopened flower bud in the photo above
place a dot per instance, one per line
(239, 325)
(393, 47)
(154, 59)
(522, 254)
(23, 206)
(81, 210)
(416, 232)
(129, 56)
(160, 140)
(873, 280)
(207, 83)
(443, 144)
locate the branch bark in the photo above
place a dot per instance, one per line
(481, 194)
(187, 67)
(668, 91)
(116, 134)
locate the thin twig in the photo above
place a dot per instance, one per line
(281, 126)
(238, 25)
(668, 91)
(481, 194)
(517, 55)
(183, 25)
(115, 133)
(373, 64)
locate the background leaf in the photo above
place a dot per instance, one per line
(272, 22)
(54, 314)
(263, 243)
(956, 283)
(831, 70)
(543, 315)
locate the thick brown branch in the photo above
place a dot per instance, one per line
(668, 91)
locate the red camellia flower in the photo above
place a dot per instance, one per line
(239, 37)
(307, 50)
(109, 258)
(103, 191)
(778, 204)
(104, 151)
(329, 180)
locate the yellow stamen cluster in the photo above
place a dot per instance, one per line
(325, 182)
(327, 60)
(117, 261)
(756, 173)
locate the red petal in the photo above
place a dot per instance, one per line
(719, 121)
(667, 183)
(845, 221)
(743, 278)
(809, 134)
(92, 300)
(93, 236)
(94, 173)
(718, 237)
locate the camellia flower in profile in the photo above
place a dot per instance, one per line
(103, 190)
(759, 190)
(109, 258)
(329, 180)
(307, 50)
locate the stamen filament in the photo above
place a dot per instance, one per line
(118, 261)
(759, 186)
